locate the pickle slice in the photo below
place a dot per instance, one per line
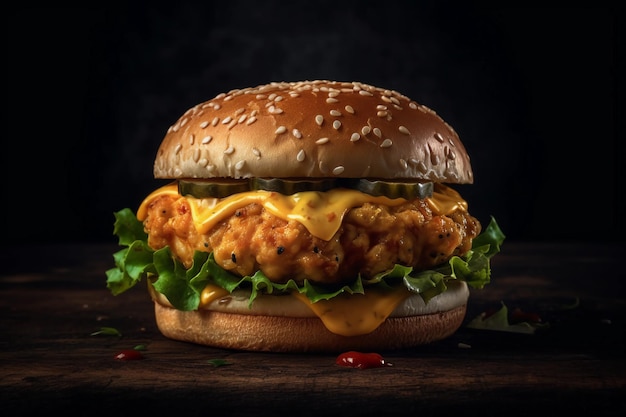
(406, 190)
(292, 186)
(216, 189)
(221, 188)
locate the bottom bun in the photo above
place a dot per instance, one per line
(280, 333)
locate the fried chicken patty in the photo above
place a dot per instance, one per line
(372, 239)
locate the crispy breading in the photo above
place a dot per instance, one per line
(372, 239)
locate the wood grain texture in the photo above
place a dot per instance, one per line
(49, 361)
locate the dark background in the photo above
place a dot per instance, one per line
(532, 92)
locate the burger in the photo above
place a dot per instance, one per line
(313, 216)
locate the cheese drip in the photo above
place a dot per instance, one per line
(356, 314)
(345, 315)
(320, 212)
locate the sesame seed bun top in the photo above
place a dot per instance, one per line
(313, 129)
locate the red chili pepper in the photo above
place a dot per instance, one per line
(361, 360)
(129, 355)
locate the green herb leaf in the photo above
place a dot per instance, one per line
(107, 331)
(218, 362)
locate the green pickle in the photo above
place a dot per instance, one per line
(213, 188)
(406, 190)
(222, 188)
(292, 186)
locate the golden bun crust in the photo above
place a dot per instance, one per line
(277, 324)
(313, 129)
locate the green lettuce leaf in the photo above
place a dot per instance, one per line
(183, 287)
(499, 321)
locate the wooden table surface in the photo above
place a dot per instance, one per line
(53, 297)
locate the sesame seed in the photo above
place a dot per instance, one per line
(191, 139)
(256, 152)
(377, 132)
(355, 136)
(338, 170)
(413, 105)
(196, 155)
(206, 139)
(439, 137)
(215, 121)
(217, 106)
(251, 120)
(239, 111)
(261, 96)
(280, 130)
(239, 165)
(349, 109)
(335, 113)
(232, 124)
(296, 133)
(333, 94)
(242, 118)
(278, 98)
(434, 158)
(321, 141)
(365, 130)
(204, 124)
(177, 149)
(336, 124)
(382, 113)
(227, 120)
(184, 122)
(203, 162)
(301, 155)
(386, 143)
(381, 107)
(365, 93)
(403, 164)
(229, 150)
(319, 119)
(421, 166)
(404, 130)
(331, 100)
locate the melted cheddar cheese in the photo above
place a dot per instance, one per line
(320, 212)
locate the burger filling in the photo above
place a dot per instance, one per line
(372, 238)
